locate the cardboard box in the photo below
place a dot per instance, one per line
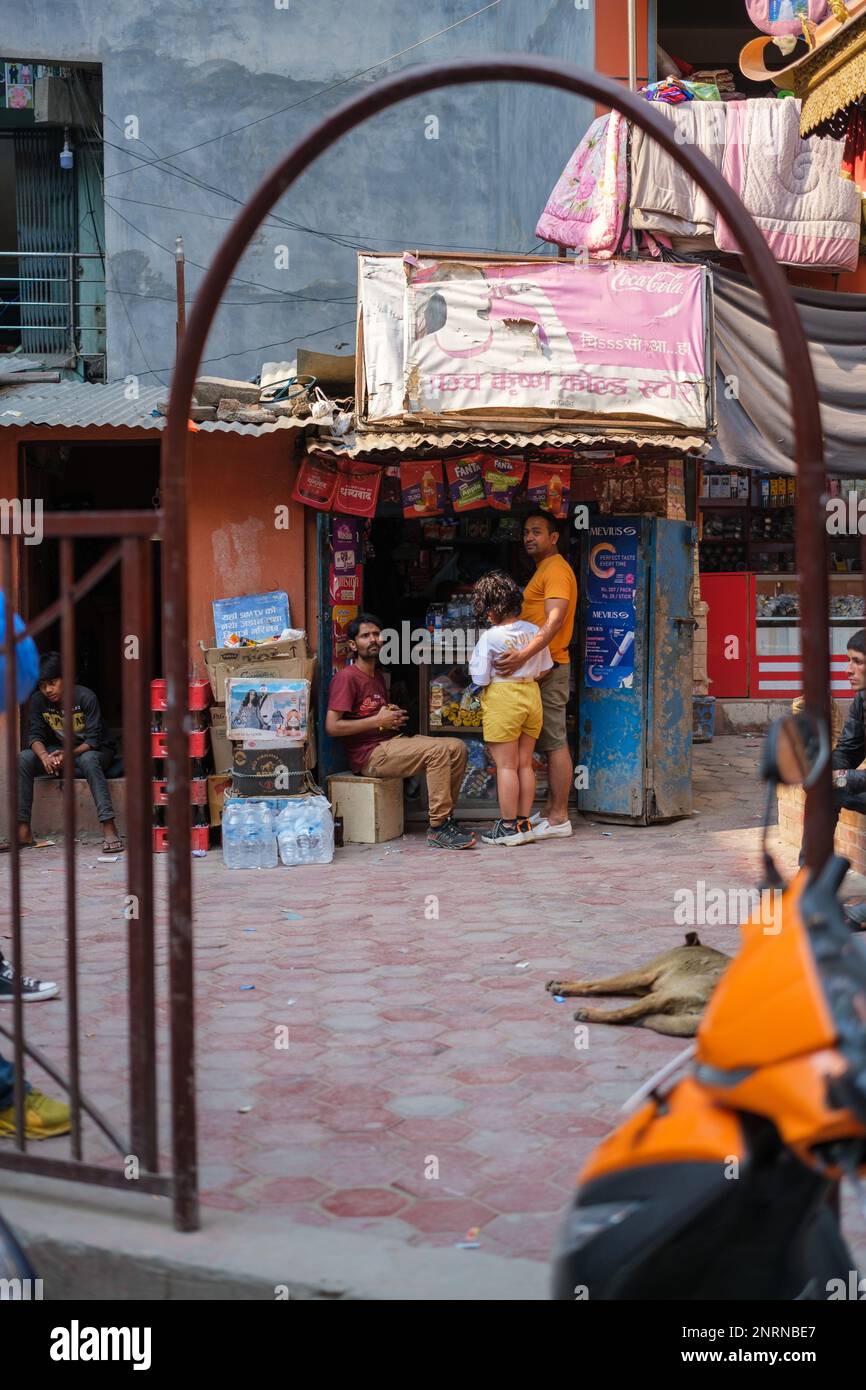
(222, 749)
(268, 662)
(371, 807)
(269, 771)
(217, 786)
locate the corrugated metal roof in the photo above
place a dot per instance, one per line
(364, 442)
(82, 405)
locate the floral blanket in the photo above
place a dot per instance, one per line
(587, 207)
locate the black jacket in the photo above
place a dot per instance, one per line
(851, 748)
(46, 721)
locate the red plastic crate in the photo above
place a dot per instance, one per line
(197, 791)
(197, 744)
(199, 837)
(199, 697)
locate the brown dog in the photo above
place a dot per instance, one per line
(674, 989)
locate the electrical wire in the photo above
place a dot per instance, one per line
(367, 244)
(290, 295)
(106, 268)
(323, 91)
(264, 347)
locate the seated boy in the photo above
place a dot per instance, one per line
(93, 750)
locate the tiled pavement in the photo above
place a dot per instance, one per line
(429, 1084)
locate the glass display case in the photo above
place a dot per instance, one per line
(776, 648)
(450, 708)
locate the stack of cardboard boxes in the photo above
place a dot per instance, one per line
(259, 771)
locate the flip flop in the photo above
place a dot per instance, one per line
(113, 847)
(6, 848)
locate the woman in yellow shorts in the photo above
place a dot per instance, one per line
(511, 709)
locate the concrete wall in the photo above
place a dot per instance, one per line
(192, 74)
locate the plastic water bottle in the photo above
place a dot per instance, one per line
(314, 837)
(232, 832)
(265, 840)
(249, 833)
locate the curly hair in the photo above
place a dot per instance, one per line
(498, 594)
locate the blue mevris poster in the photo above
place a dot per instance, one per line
(610, 591)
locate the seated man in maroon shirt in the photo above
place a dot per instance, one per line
(359, 712)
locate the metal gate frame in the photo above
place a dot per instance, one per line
(132, 534)
(173, 521)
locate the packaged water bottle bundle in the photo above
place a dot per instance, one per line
(258, 833)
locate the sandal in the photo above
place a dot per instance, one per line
(113, 847)
(5, 847)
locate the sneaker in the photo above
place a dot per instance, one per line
(536, 818)
(449, 835)
(545, 831)
(44, 1118)
(517, 832)
(30, 988)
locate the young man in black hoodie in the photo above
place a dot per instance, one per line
(849, 784)
(93, 751)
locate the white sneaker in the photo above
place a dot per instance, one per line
(536, 818)
(545, 831)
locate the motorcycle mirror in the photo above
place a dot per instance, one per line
(796, 750)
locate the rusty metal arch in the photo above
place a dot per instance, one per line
(770, 280)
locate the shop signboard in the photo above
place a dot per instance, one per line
(256, 617)
(625, 338)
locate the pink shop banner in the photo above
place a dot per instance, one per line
(619, 338)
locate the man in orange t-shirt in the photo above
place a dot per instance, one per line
(549, 601)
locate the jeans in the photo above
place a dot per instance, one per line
(92, 765)
(7, 1084)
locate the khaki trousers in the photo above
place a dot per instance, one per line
(442, 759)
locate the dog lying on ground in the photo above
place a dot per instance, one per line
(674, 989)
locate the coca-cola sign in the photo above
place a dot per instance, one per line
(656, 281)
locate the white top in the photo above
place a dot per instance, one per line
(507, 637)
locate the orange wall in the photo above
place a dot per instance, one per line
(235, 484)
(611, 40)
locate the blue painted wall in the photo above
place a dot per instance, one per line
(210, 77)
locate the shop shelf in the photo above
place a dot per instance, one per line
(472, 731)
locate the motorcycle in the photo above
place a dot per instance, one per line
(723, 1182)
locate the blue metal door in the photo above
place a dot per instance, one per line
(670, 687)
(635, 677)
(611, 683)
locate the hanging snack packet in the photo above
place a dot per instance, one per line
(423, 488)
(466, 482)
(549, 487)
(502, 477)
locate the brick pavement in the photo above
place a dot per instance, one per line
(416, 1044)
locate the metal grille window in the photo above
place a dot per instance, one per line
(47, 223)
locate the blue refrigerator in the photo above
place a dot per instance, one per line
(634, 669)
